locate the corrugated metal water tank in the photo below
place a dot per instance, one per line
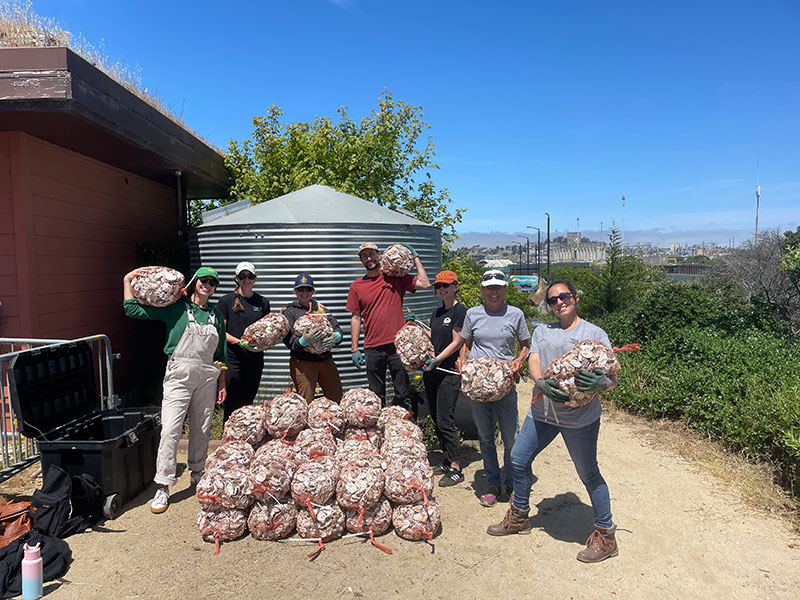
(315, 230)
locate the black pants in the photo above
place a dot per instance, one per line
(442, 391)
(242, 378)
(378, 358)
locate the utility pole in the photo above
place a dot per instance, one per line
(623, 225)
(538, 251)
(578, 241)
(548, 246)
(528, 251)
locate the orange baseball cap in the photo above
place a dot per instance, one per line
(446, 277)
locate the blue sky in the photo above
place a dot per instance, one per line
(559, 106)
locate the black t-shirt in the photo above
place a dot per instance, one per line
(255, 307)
(442, 323)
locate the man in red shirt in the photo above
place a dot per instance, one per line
(376, 302)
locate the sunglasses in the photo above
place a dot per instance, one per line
(563, 296)
(441, 285)
(494, 275)
(208, 281)
(249, 276)
(304, 288)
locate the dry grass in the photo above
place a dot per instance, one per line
(754, 482)
(21, 27)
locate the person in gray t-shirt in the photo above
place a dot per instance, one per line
(549, 417)
(491, 330)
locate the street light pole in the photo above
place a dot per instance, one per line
(528, 252)
(548, 246)
(538, 250)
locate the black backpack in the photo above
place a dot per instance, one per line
(66, 505)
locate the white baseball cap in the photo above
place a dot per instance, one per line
(245, 266)
(494, 277)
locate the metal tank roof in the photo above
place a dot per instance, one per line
(315, 204)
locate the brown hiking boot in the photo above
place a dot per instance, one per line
(515, 521)
(601, 545)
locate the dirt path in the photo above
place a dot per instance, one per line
(681, 534)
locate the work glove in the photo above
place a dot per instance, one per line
(591, 381)
(410, 316)
(305, 341)
(358, 360)
(431, 364)
(410, 249)
(549, 387)
(248, 346)
(332, 340)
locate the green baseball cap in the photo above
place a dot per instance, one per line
(206, 272)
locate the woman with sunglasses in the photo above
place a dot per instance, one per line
(306, 368)
(548, 417)
(442, 388)
(241, 308)
(195, 346)
(491, 330)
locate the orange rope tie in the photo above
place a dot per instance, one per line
(216, 543)
(536, 397)
(285, 441)
(428, 534)
(421, 489)
(315, 453)
(311, 509)
(316, 552)
(407, 416)
(273, 526)
(376, 544)
(628, 348)
(360, 517)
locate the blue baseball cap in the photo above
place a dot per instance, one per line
(303, 280)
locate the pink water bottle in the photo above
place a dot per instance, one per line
(32, 573)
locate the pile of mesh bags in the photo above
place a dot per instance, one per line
(413, 346)
(323, 470)
(486, 379)
(583, 356)
(267, 331)
(157, 286)
(311, 324)
(396, 261)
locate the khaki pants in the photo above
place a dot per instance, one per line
(306, 374)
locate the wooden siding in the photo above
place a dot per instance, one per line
(9, 289)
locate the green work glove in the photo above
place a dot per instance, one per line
(591, 381)
(431, 364)
(549, 387)
(358, 360)
(305, 341)
(248, 346)
(410, 316)
(410, 249)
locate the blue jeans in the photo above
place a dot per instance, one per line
(581, 443)
(484, 413)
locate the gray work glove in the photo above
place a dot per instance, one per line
(549, 387)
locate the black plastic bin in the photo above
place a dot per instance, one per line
(55, 399)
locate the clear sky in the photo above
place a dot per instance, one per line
(550, 105)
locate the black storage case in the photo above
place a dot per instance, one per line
(54, 396)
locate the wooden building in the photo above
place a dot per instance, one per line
(87, 170)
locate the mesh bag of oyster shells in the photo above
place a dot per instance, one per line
(391, 413)
(270, 475)
(246, 424)
(413, 346)
(377, 519)
(271, 520)
(226, 486)
(408, 479)
(286, 415)
(486, 379)
(267, 331)
(402, 448)
(417, 521)
(372, 434)
(315, 482)
(233, 452)
(308, 325)
(279, 449)
(361, 407)
(402, 430)
(222, 525)
(360, 485)
(583, 356)
(157, 286)
(350, 450)
(326, 414)
(396, 261)
(324, 521)
(313, 443)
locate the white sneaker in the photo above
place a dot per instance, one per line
(196, 477)
(160, 501)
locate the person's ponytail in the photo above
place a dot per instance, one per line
(237, 302)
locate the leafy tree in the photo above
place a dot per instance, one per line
(382, 158)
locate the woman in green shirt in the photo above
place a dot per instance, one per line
(193, 381)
